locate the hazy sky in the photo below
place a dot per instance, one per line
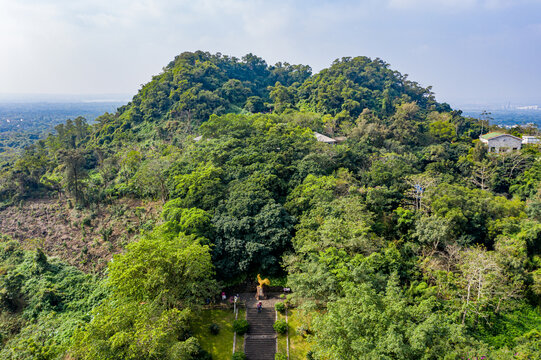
(470, 51)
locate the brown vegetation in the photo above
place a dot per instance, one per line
(84, 238)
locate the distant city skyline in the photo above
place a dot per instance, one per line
(469, 51)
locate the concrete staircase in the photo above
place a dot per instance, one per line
(260, 341)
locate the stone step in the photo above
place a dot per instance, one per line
(258, 330)
(266, 333)
(261, 337)
(260, 341)
(260, 349)
(261, 321)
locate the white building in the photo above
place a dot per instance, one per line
(498, 142)
(528, 139)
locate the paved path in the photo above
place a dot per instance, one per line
(260, 341)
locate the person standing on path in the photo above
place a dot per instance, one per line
(259, 306)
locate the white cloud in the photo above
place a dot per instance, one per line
(108, 46)
(457, 5)
(432, 4)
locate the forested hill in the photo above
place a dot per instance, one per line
(197, 85)
(405, 239)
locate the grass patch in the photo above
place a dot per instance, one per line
(282, 339)
(240, 339)
(298, 346)
(219, 346)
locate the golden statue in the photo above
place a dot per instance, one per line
(262, 282)
(259, 294)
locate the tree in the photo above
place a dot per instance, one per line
(383, 325)
(254, 104)
(476, 282)
(370, 129)
(485, 286)
(313, 190)
(130, 163)
(153, 287)
(405, 123)
(484, 120)
(201, 188)
(344, 224)
(192, 221)
(433, 232)
(176, 272)
(526, 185)
(74, 172)
(251, 241)
(151, 178)
(482, 174)
(124, 329)
(251, 229)
(472, 211)
(283, 97)
(441, 127)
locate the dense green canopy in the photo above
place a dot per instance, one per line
(404, 240)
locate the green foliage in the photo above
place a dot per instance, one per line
(386, 325)
(124, 329)
(192, 221)
(471, 212)
(402, 240)
(254, 104)
(259, 235)
(238, 356)
(280, 326)
(280, 356)
(313, 190)
(527, 183)
(43, 302)
(352, 84)
(201, 188)
(510, 329)
(344, 223)
(174, 271)
(280, 307)
(153, 285)
(241, 326)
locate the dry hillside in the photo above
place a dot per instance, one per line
(83, 238)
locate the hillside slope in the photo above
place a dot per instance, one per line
(404, 239)
(82, 238)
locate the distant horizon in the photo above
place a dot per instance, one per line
(125, 98)
(63, 98)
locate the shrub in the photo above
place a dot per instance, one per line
(238, 356)
(214, 329)
(280, 326)
(241, 326)
(303, 330)
(87, 221)
(280, 356)
(280, 307)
